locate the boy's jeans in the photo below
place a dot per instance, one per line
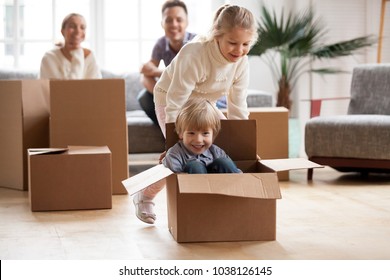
(220, 165)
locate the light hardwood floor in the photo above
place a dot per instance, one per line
(337, 216)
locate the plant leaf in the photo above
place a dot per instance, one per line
(323, 71)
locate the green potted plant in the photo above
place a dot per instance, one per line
(296, 39)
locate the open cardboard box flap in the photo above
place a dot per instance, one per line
(146, 178)
(70, 150)
(42, 151)
(286, 164)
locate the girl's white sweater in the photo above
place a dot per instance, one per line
(200, 70)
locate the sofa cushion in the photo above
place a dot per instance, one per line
(348, 136)
(259, 98)
(17, 75)
(143, 135)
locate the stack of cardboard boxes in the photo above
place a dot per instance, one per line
(38, 114)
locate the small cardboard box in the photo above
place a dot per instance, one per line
(70, 179)
(223, 207)
(92, 113)
(24, 123)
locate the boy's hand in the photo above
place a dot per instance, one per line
(162, 156)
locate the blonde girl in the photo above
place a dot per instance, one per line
(207, 68)
(210, 67)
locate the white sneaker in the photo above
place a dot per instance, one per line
(144, 209)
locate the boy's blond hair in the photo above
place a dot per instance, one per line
(198, 114)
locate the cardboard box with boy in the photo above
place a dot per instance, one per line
(223, 207)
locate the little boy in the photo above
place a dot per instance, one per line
(197, 125)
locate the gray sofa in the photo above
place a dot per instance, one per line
(143, 135)
(360, 140)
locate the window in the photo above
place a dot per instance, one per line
(120, 32)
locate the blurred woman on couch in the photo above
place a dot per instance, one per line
(69, 60)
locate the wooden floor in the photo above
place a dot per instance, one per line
(337, 216)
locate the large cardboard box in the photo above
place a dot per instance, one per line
(272, 133)
(92, 113)
(272, 130)
(24, 123)
(223, 207)
(70, 179)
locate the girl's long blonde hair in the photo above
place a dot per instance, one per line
(228, 17)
